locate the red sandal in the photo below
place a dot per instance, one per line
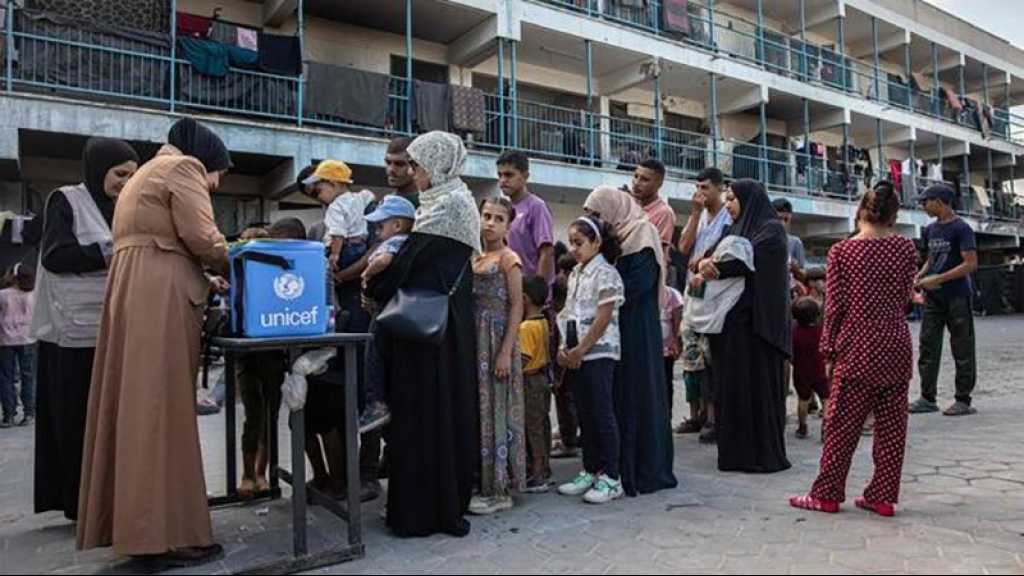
(881, 508)
(813, 504)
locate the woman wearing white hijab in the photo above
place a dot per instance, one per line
(433, 388)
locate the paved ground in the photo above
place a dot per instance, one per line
(962, 512)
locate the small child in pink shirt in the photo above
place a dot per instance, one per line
(17, 348)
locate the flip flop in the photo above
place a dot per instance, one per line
(247, 489)
(813, 504)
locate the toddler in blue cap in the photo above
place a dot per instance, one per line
(394, 218)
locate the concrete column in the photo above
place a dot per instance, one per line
(606, 128)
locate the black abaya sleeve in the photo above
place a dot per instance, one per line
(62, 254)
(635, 270)
(733, 269)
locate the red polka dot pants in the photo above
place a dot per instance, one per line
(848, 408)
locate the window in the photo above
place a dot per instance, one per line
(425, 71)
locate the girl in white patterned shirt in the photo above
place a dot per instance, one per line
(590, 350)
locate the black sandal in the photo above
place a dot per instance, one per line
(190, 557)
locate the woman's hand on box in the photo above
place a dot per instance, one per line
(219, 285)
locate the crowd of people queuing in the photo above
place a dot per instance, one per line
(598, 324)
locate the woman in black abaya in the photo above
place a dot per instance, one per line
(756, 341)
(434, 441)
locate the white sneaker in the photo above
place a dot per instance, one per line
(578, 486)
(605, 490)
(488, 506)
(478, 502)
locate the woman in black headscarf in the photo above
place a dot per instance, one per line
(76, 249)
(755, 341)
(143, 490)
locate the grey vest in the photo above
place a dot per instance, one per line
(69, 306)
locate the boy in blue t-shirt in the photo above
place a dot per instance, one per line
(945, 281)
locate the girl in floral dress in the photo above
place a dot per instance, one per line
(498, 310)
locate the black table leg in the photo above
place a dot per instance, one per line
(355, 507)
(230, 427)
(273, 459)
(298, 422)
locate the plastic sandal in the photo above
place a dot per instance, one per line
(880, 508)
(813, 504)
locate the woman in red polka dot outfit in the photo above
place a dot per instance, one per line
(868, 346)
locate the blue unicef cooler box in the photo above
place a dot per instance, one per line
(278, 289)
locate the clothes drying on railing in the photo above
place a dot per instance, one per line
(896, 174)
(215, 59)
(238, 91)
(468, 110)
(146, 15)
(235, 35)
(62, 52)
(346, 93)
(675, 16)
(952, 99)
(193, 25)
(280, 55)
(431, 103)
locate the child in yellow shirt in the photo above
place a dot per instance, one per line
(534, 345)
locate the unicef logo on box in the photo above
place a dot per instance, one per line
(289, 286)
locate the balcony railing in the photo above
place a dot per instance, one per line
(41, 56)
(743, 40)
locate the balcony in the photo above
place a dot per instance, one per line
(59, 58)
(743, 40)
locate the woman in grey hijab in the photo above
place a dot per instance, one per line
(433, 388)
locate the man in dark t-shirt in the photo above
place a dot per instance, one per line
(945, 281)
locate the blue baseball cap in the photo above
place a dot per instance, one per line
(937, 192)
(392, 207)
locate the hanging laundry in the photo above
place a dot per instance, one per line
(347, 93)
(224, 33)
(244, 58)
(920, 82)
(676, 16)
(896, 174)
(952, 99)
(207, 58)
(249, 39)
(280, 54)
(469, 110)
(193, 25)
(431, 103)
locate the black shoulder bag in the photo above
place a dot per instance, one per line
(419, 314)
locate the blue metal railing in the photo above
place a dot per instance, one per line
(744, 40)
(55, 58)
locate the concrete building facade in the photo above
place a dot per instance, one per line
(817, 98)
